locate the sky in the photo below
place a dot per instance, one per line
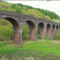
(47, 5)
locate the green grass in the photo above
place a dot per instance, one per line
(31, 48)
(7, 48)
(41, 48)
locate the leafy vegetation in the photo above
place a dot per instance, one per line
(49, 13)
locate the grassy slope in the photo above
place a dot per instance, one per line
(25, 10)
(38, 48)
(41, 48)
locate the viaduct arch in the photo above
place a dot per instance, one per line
(47, 28)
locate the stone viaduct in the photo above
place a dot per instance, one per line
(47, 28)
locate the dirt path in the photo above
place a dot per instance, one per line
(56, 41)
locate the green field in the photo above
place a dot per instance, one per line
(44, 47)
(37, 48)
(7, 48)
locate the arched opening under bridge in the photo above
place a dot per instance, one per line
(53, 28)
(28, 30)
(40, 29)
(9, 30)
(48, 28)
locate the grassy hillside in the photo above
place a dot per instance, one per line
(20, 8)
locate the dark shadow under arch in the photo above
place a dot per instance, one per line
(57, 27)
(48, 31)
(48, 27)
(30, 24)
(12, 20)
(53, 28)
